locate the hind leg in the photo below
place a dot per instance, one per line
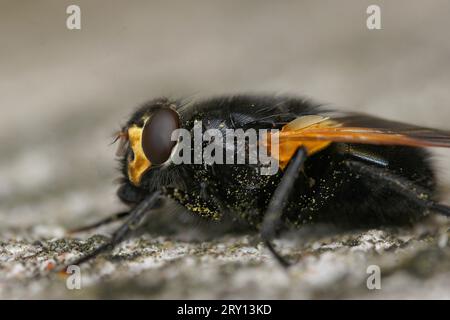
(401, 185)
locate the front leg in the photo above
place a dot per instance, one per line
(136, 219)
(272, 218)
(115, 217)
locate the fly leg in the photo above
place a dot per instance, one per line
(403, 186)
(272, 218)
(115, 217)
(136, 218)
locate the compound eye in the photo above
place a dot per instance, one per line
(156, 142)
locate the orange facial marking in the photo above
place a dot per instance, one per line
(140, 163)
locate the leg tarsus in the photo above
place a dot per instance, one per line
(107, 220)
(136, 218)
(441, 208)
(281, 260)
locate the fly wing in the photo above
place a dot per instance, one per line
(316, 132)
(359, 128)
(413, 135)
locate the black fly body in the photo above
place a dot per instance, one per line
(348, 169)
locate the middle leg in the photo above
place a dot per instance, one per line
(272, 218)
